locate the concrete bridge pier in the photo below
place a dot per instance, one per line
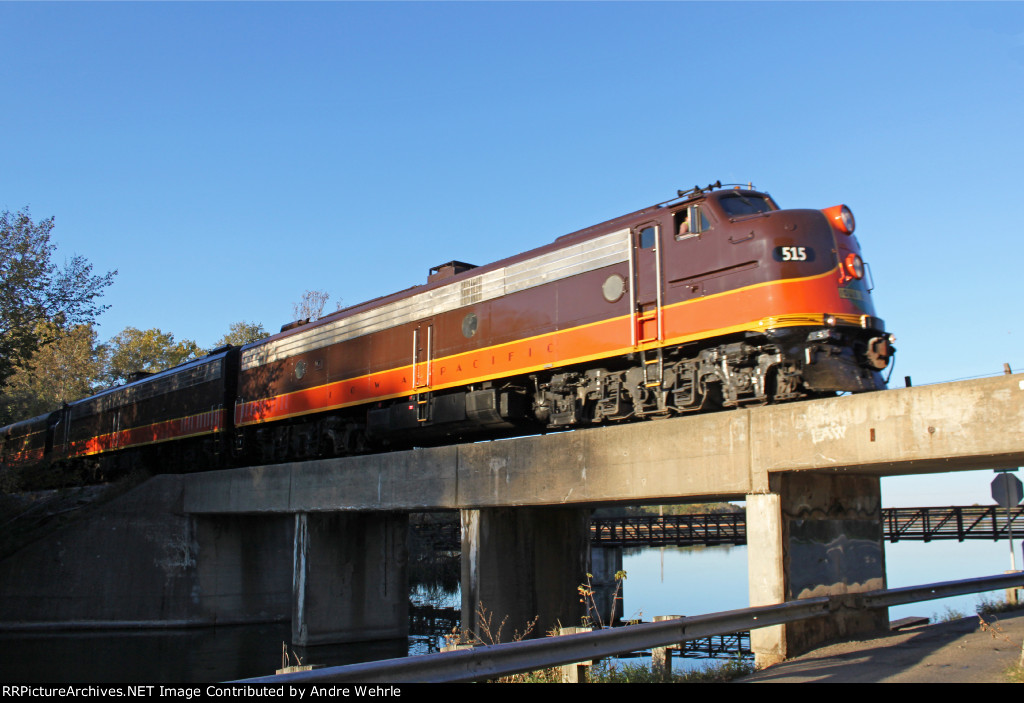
(350, 577)
(521, 564)
(814, 535)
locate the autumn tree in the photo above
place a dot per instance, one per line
(243, 332)
(67, 369)
(151, 350)
(35, 290)
(311, 307)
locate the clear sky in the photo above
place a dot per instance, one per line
(225, 157)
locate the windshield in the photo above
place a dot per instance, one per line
(737, 204)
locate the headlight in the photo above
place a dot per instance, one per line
(854, 266)
(841, 218)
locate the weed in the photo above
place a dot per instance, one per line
(1015, 673)
(488, 633)
(991, 606)
(717, 672)
(948, 616)
(593, 615)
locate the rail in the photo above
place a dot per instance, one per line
(497, 660)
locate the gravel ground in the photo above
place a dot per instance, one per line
(960, 651)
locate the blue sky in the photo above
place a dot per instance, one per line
(225, 157)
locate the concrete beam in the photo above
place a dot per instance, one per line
(947, 427)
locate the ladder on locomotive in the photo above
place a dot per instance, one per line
(421, 378)
(646, 301)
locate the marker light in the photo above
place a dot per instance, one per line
(854, 266)
(841, 218)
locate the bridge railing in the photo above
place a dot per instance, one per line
(706, 529)
(899, 524)
(959, 523)
(927, 524)
(497, 660)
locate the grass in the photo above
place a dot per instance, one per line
(949, 615)
(716, 672)
(612, 671)
(988, 605)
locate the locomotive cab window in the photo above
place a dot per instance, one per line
(738, 204)
(690, 222)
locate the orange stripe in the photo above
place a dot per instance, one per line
(23, 457)
(179, 428)
(751, 308)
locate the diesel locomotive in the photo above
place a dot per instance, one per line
(714, 299)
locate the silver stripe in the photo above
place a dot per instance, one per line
(572, 260)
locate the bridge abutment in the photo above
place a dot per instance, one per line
(814, 535)
(350, 577)
(521, 564)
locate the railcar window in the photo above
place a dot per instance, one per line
(737, 204)
(647, 238)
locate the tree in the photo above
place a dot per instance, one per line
(65, 370)
(152, 350)
(243, 332)
(311, 306)
(34, 290)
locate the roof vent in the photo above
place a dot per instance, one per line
(452, 268)
(293, 325)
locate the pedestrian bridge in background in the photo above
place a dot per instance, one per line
(970, 522)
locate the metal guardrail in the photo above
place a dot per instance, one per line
(497, 660)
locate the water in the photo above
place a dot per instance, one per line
(660, 581)
(696, 580)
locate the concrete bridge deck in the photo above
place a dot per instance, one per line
(975, 424)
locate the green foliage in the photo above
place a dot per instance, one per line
(680, 509)
(34, 290)
(62, 371)
(243, 332)
(693, 509)
(151, 350)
